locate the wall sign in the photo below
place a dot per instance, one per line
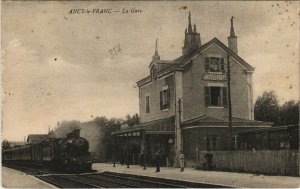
(214, 77)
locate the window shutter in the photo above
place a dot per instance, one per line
(161, 100)
(168, 97)
(207, 96)
(222, 65)
(225, 96)
(206, 64)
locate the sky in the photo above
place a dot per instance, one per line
(57, 66)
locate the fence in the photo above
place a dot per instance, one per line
(271, 162)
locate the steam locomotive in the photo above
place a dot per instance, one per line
(61, 154)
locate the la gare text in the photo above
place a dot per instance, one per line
(104, 11)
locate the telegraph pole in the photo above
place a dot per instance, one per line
(179, 120)
(114, 151)
(229, 103)
(127, 149)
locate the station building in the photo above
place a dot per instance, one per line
(183, 103)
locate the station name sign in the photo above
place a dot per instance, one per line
(214, 77)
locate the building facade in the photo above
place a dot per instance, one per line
(183, 103)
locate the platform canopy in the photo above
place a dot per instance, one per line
(222, 121)
(160, 126)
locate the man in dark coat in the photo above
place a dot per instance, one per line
(157, 161)
(209, 158)
(142, 161)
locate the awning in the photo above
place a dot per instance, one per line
(163, 126)
(216, 121)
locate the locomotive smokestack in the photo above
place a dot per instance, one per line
(74, 134)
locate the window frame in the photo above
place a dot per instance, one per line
(209, 64)
(147, 108)
(223, 96)
(165, 98)
(211, 143)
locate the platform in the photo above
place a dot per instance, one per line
(240, 180)
(15, 179)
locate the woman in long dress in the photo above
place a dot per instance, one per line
(181, 161)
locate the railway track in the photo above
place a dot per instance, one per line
(110, 180)
(118, 180)
(62, 181)
(102, 180)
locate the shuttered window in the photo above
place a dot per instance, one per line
(207, 96)
(222, 65)
(165, 99)
(225, 97)
(206, 64)
(215, 96)
(213, 64)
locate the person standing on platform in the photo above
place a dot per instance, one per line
(157, 161)
(122, 158)
(181, 161)
(210, 161)
(209, 158)
(142, 158)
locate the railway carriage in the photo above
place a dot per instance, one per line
(70, 153)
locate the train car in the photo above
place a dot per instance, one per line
(36, 153)
(63, 154)
(25, 153)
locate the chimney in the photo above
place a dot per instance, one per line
(192, 40)
(232, 39)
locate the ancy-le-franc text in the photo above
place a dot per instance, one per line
(105, 11)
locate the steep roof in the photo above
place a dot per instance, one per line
(180, 62)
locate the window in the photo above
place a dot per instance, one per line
(215, 96)
(211, 143)
(147, 104)
(165, 98)
(235, 143)
(214, 142)
(213, 64)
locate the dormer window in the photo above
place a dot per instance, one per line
(214, 64)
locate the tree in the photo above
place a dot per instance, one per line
(112, 125)
(5, 145)
(266, 107)
(131, 121)
(289, 113)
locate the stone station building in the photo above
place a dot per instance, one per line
(183, 103)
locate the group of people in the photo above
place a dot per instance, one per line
(158, 161)
(207, 165)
